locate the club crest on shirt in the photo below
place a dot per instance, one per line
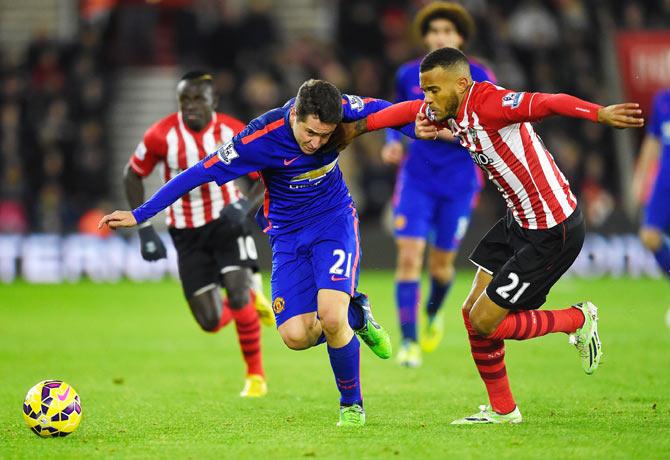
(472, 132)
(227, 153)
(512, 100)
(278, 305)
(430, 114)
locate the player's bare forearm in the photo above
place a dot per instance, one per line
(626, 115)
(344, 135)
(133, 186)
(649, 152)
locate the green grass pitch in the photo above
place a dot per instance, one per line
(154, 386)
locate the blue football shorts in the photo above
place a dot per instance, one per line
(442, 220)
(326, 255)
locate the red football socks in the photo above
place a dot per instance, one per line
(528, 324)
(249, 335)
(489, 356)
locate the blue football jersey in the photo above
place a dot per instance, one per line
(440, 168)
(659, 127)
(300, 189)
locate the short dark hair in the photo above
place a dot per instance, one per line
(443, 57)
(453, 12)
(321, 99)
(197, 75)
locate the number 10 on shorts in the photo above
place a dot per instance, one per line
(336, 268)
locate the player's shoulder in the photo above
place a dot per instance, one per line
(161, 127)
(480, 71)
(230, 121)
(483, 90)
(486, 97)
(408, 69)
(155, 137)
(357, 107)
(265, 126)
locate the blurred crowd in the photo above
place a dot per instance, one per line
(53, 149)
(54, 154)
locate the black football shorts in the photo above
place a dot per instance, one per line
(525, 264)
(205, 253)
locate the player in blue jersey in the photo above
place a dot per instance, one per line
(424, 209)
(656, 146)
(312, 223)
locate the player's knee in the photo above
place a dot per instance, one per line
(238, 298)
(332, 324)
(651, 238)
(295, 341)
(409, 262)
(208, 324)
(442, 271)
(205, 313)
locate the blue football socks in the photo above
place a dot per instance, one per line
(346, 362)
(438, 292)
(407, 299)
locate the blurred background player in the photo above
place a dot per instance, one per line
(526, 252)
(655, 151)
(214, 245)
(313, 227)
(423, 206)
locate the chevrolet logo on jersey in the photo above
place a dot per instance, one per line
(227, 153)
(312, 177)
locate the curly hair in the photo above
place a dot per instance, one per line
(321, 99)
(453, 12)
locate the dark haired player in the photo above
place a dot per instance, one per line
(207, 225)
(527, 251)
(423, 207)
(312, 223)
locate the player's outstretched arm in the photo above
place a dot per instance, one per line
(626, 115)
(118, 219)
(164, 197)
(503, 107)
(649, 153)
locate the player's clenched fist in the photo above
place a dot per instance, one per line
(424, 128)
(118, 219)
(627, 115)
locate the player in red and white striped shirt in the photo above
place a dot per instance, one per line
(526, 252)
(207, 225)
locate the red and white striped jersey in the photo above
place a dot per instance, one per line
(494, 125)
(177, 147)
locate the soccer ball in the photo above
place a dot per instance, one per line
(52, 409)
